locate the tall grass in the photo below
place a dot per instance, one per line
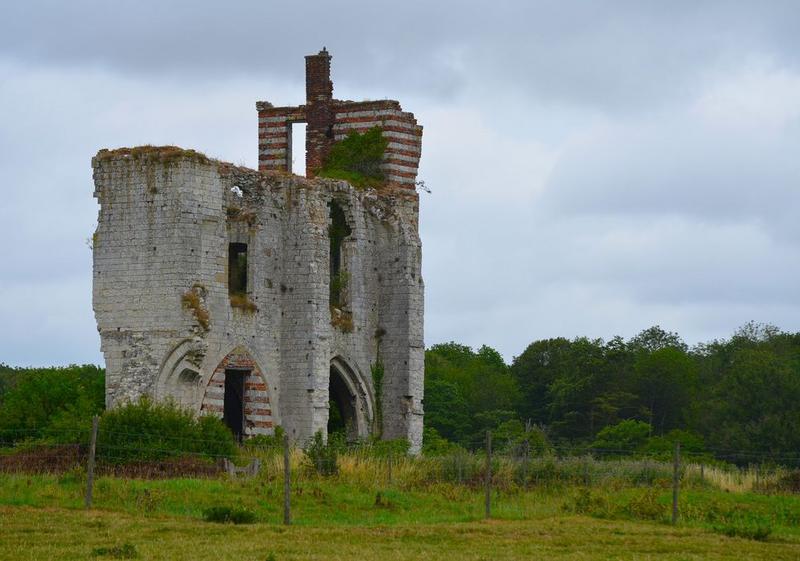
(362, 468)
(752, 479)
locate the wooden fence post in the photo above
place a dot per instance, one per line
(488, 474)
(702, 473)
(676, 482)
(287, 482)
(526, 450)
(586, 479)
(90, 466)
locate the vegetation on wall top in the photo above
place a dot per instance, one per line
(357, 159)
(163, 154)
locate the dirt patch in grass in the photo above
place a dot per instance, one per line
(72, 457)
(44, 459)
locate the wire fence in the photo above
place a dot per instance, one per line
(513, 467)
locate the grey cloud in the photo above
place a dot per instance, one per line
(610, 54)
(677, 166)
(577, 187)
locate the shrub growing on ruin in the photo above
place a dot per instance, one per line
(357, 159)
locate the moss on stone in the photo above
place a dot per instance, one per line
(192, 300)
(242, 302)
(342, 320)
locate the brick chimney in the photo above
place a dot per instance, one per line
(320, 114)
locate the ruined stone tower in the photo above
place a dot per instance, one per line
(264, 297)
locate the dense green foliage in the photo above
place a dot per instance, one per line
(146, 430)
(468, 392)
(56, 406)
(738, 399)
(56, 403)
(357, 159)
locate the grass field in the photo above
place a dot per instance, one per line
(415, 510)
(354, 516)
(59, 534)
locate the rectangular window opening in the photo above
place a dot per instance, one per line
(237, 269)
(298, 146)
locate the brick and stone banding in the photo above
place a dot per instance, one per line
(330, 120)
(257, 414)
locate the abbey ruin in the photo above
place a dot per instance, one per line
(263, 297)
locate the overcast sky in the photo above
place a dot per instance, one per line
(596, 167)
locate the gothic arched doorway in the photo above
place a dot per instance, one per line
(238, 393)
(350, 403)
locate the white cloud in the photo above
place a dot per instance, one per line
(756, 97)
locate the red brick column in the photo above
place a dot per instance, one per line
(319, 110)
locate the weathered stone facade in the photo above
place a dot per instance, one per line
(176, 231)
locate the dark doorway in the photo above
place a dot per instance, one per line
(233, 412)
(341, 413)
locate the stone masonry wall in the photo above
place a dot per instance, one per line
(167, 323)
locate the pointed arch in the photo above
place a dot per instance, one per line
(179, 376)
(350, 392)
(256, 409)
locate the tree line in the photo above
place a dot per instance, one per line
(736, 398)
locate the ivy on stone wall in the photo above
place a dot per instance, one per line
(377, 383)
